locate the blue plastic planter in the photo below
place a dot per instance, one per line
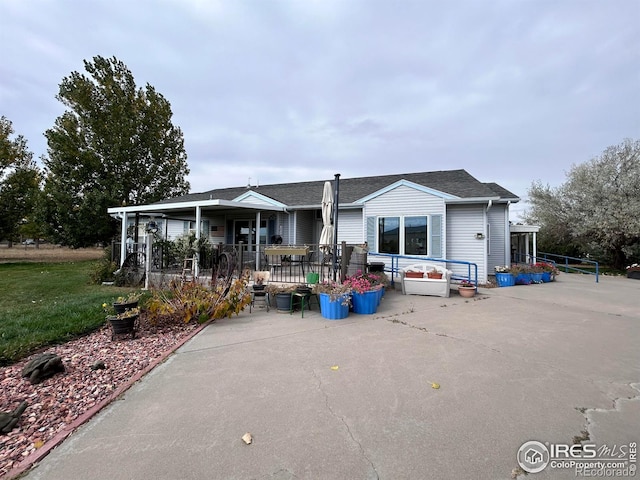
(536, 277)
(366, 303)
(505, 279)
(333, 310)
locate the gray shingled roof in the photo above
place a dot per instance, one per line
(453, 182)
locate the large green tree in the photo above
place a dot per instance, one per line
(19, 181)
(115, 144)
(597, 208)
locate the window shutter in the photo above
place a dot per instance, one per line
(371, 234)
(436, 236)
(186, 227)
(205, 229)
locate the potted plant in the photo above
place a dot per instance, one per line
(123, 322)
(335, 299)
(434, 273)
(522, 273)
(633, 271)
(126, 302)
(504, 276)
(466, 289)
(259, 279)
(549, 271)
(282, 294)
(366, 291)
(413, 274)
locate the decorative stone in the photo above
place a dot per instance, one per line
(8, 420)
(42, 367)
(99, 365)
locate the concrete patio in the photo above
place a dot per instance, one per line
(353, 398)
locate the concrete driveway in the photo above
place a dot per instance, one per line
(353, 398)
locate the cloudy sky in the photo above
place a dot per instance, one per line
(272, 91)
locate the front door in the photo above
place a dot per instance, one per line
(245, 232)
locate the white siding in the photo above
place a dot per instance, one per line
(175, 229)
(497, 217)
(405, 201)
(463, 222)
(256, 200)
(350, 226)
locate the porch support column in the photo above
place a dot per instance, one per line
(123, 238)
(198, 227)
(257, 240)
(526, 247)
(535, 248)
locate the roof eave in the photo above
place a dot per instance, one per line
(159, 207)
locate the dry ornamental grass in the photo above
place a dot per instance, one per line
(47, 253)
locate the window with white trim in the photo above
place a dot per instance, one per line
(410, 235)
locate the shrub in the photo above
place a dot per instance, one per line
(104, 269)
(187, 301)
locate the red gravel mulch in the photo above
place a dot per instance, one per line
(61, 403)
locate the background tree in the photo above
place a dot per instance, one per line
(114, 145)
(598, 208)
(19, 182)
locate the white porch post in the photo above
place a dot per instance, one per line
(197, 256)
(526, 247)
(535, 247)
(123, 238)
(257, 240)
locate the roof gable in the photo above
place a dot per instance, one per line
(406, 183)
(257, 198)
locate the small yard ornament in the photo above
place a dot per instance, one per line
(8, 420)
(42, 367)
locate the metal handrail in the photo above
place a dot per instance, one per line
(395, 265)
(566, 259)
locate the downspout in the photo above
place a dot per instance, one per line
(485, 241)
(197, 256)
(123, 238)
(507, 238)
(257, 239)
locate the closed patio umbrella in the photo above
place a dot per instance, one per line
(326, 237)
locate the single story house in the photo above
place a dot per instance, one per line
(442, 214)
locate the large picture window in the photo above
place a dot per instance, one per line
(415, 235)
(389, 235)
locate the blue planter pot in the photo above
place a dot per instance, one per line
(366, 303)
(333, 310)
(505, 279)
(523, 279)
(546, 277)
(536, 277)
(380, 295)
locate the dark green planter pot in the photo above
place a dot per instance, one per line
(122, 307)
(283, 302)
(123, 326)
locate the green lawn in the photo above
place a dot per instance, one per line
(48, 303)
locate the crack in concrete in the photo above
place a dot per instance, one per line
(278, 474)
(437, 334)
(346, 425)
(615, 404)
